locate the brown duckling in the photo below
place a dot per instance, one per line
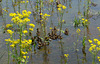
(55, 30)
(39, 39)
(38, 32)
(66, 31)
(57, 3)
(59, 37)
(39, 46)
(32, 40)
(52, 32)
(93, 4)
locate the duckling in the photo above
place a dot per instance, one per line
(39, 39)
(49, 34)
(47, 38)
(59, 37)
(52, 32)
(30, 33)
(38, 32)
(39, 46)
(0, 0)
(93, 4)
(55, 30)
(57, 3)
(33, 40)
(66, 31)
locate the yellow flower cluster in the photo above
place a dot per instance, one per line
(84, 22)
(98, 28)
(8, 25)
(61, 6)
(24, 1)
(32, 25)
(94, 47)
(8, 40)
(13, 42)
(24, 52)
(98, 58)
(51, 0)
(44, 16)
(18, 17)
(26, 43)
(30, 29)
(66, 55)
(25, 31)
(10, 31)
(78, 31)
(25, 57)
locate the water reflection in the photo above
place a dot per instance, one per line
(36, 10)
(84, 55)
(62, 58)
(0, 8)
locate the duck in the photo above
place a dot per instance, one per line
(66, 31)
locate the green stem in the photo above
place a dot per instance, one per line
(8, 52)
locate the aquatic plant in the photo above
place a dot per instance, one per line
(94, 48)
(21, 46)
(77, 22)
(66, 55)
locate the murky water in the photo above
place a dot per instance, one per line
(54, 52)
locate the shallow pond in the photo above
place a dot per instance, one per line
(69, 44)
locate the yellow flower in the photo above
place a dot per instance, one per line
(46, 15)
(95, 40)
(12, 45)
(98, 27)
(23, 1)
(41, 14)
(29, 12)
(60, 5)
(98, 57)
(29, 41)
(59, 9)
(31, 29)
(98, 42)
(23, 52)
(24, 11)
(24, 57)
(32, 25)
(97, 48)
(27, 1)
(90, 41)
(15, 42)
(50, 28)
(26, 20)
(78, 30)
(12, 14)
(25, 31)
(8, 40)
(82, 18)
(51, 0)
(66, 55)
(90, 49)
(91, 44)
(86, 20)
(10, 31)
(63, 20)
(63, 7)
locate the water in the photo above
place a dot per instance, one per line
(54, 53)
